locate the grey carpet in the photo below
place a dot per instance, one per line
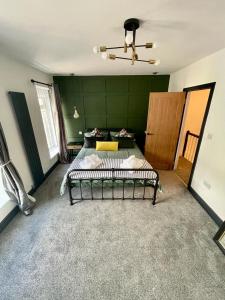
(112, 249)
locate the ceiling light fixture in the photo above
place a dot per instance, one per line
(130, 26)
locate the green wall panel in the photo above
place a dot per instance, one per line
(116, 122)
(117, 84)
(139, 84)
(108, 101)
(73, 126)
(96, 121)
(94, 104)
(138, 124)
(159, 85)
(116, 104)
(138, 104)
(93, 84)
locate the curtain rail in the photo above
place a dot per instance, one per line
(34, 81)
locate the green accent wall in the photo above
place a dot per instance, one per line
(108, 102)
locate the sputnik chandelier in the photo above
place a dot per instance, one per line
(130, 26)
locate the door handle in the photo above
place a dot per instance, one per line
(149, 133)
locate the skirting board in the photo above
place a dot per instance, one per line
(209, 211)
(15, 210)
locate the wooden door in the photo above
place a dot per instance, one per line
(163, 125)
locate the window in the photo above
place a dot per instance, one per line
(44, 98)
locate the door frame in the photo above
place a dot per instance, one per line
(211, 87)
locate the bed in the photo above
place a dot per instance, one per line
(109, 181)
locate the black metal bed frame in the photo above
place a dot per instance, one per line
(152, 181)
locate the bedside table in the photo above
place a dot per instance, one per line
(73, 148)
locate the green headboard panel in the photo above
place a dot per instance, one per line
(108, 101)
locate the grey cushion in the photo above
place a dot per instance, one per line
(125, 141)
(90, 141)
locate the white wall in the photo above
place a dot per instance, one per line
(209, 176)
(16, 76)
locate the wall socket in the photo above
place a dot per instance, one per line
(206, 184)
(209, 136)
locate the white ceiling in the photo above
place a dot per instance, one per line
(57, 36)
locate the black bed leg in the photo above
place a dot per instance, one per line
(70, 194)
(154, 195)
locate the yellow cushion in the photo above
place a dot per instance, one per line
(107, 146)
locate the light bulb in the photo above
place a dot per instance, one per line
(112, 56)
(129, 38)
(96, 49)
(154, 62)
(155, 45)
(76, 114)
(104, 55)
(151, 45)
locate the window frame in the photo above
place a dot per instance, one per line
(47, 117)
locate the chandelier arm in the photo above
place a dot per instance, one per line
(142, 60)
(125, 58)
(119, 47)
(134, 36)
(133, 53)
(125, 44)
(125, 47)
(122, 47)
(138, 46)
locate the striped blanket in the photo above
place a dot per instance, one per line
(108, 163)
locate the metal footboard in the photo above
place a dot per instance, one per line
(149, 178)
